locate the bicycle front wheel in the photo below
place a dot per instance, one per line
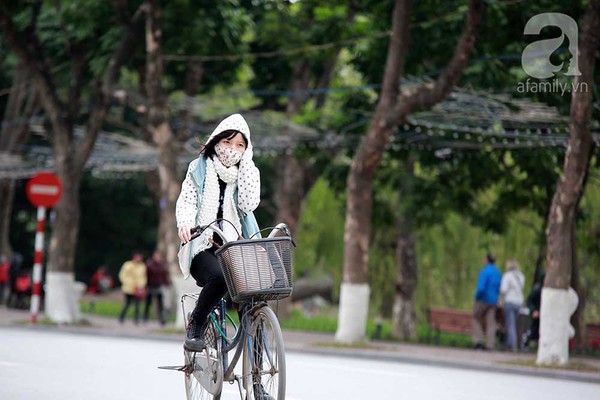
(264, 358)
(204, 370)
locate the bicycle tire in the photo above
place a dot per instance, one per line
(204, 373)
(264, 357)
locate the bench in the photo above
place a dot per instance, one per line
(449, 320)
(457, 321)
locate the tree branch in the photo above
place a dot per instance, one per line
(131, 32)
(63, 28)
(104, 92)
(428, 94)
(78, 66)
(30, 52)
(397, 48)
(96, 121)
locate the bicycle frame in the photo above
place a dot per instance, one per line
(242, 340)
(240, 337)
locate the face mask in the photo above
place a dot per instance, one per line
(227, 155)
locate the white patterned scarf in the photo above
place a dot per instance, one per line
(209, 204)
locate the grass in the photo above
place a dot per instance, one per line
(570, 366)
(108, 308)
(325, 322)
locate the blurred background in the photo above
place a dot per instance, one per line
(117, 96)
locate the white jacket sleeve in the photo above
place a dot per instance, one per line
(248, 186)
(186, 206)
(504, 284)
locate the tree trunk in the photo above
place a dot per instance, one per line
(541, 259)
(61, 296)
(558, 299)
(392, 109)
(163, 137)
(577, 319)
(194, 73)
(404, 323)
(70, 156)
(300, 82)
(290, 191)
(325, 81)
(7, 194)
(22, 104)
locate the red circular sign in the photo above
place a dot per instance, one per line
(44, 189)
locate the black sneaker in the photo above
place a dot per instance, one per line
(260, 393)
(194, 340)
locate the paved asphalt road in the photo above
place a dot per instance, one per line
(45, 365)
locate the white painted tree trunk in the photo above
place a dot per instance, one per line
(62, 297)
(555, 328)
(353, 313)
(180, 287)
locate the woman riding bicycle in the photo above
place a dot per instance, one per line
(222, 182)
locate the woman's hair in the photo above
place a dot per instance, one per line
(512, 265)
(209, 149)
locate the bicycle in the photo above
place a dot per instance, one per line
(256, 271)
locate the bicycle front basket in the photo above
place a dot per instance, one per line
(258, 268)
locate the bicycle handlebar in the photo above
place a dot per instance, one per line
(198, 230)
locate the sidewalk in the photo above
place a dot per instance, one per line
(317, 343)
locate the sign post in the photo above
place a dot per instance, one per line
(43, 190)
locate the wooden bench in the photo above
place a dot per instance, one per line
(458, 321)
(449, 320)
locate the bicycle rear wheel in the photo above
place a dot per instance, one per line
(204, 370)
(263, 366)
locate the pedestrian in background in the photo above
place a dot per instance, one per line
(486, 300)
(22, 289)
(100, 283)
(133, 284)
(158, 277)
(15, 267)
(4, 275)
(511, 288)
(534, 300)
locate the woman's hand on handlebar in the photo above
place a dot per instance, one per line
(185, 233)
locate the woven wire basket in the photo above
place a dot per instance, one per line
(259, 269)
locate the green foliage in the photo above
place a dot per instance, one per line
(298, 321)
(320, 235)
(117, 217)
(588, 243)
(209, 28)
(104, 308)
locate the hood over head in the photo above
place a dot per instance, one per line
(234, 122)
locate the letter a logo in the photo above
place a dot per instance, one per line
(536, 56)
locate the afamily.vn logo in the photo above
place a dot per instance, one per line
(535, 59)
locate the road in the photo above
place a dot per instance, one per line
(49, 365)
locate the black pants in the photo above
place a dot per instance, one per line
(129, 298)
(206, 271)
(154, 294)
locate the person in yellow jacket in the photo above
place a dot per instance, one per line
(133, 284)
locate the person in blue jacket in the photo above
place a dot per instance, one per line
(486, 300)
